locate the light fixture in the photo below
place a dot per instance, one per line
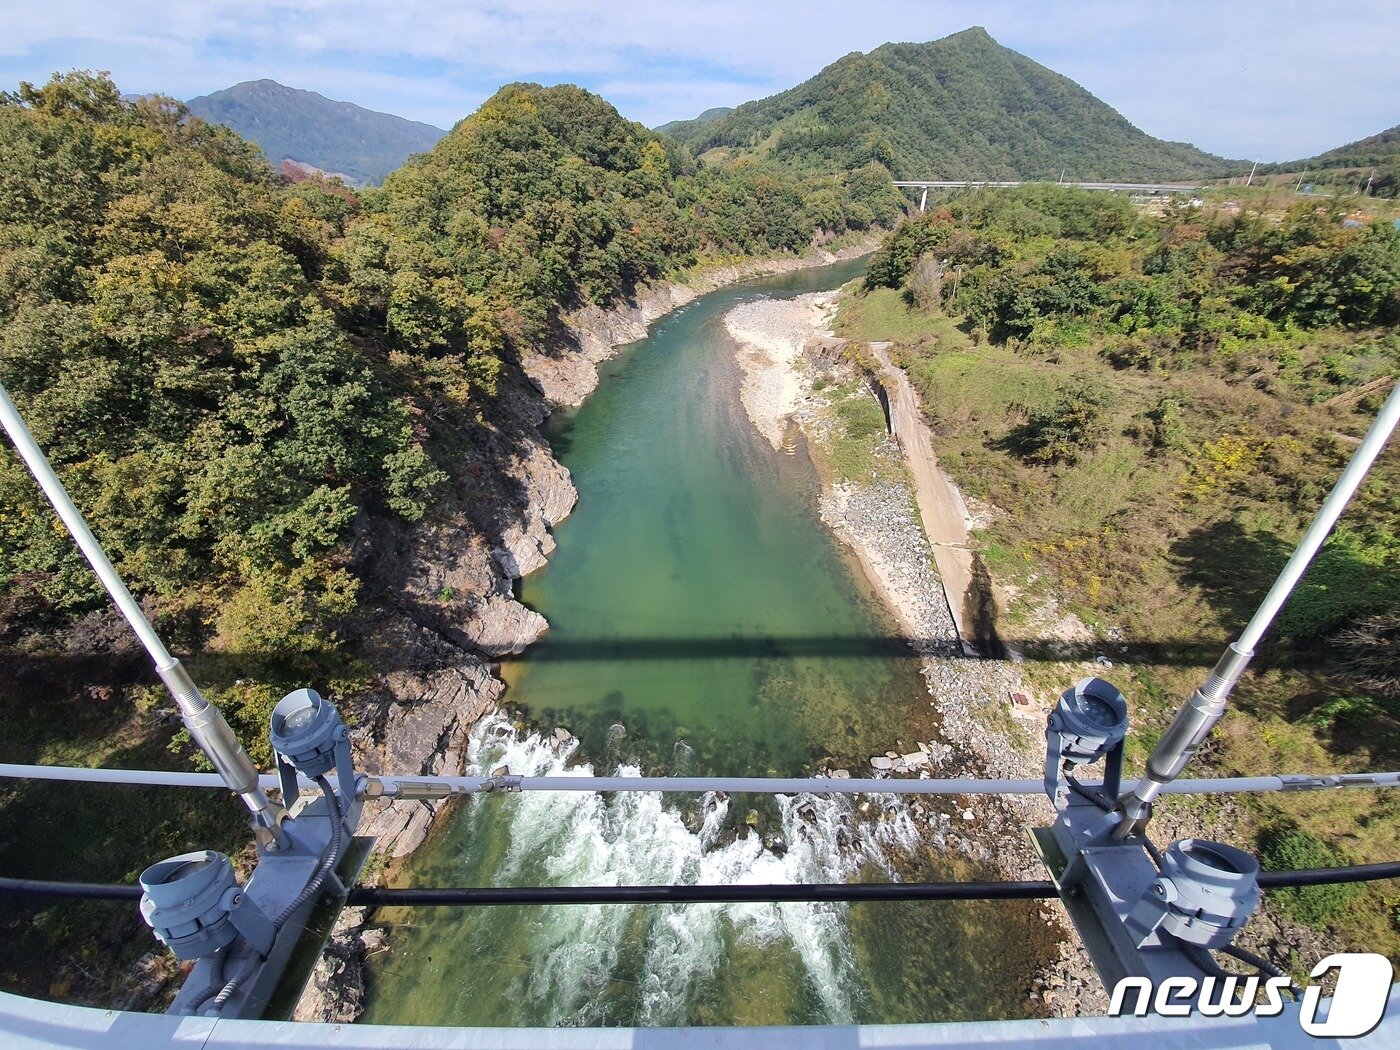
(309, 737)
(196, 907)
(1204, 895)
(1087, 724)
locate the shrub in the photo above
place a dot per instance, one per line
(1293, 849)
(1064, 431)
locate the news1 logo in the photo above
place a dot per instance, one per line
(1356, 1007)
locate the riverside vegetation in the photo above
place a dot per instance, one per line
(1154, 406)
(246, 380)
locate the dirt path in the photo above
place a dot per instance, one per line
(945, 518)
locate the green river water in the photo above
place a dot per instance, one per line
(702, 621)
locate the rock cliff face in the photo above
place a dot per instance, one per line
(566, 371)
(442, 592)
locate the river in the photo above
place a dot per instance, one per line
(702, 621)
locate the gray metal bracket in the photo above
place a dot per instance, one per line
(1101, 880)
(276, 883)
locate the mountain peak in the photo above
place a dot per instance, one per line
(963, 106)
(304, 126)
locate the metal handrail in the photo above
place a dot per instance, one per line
(392, 787)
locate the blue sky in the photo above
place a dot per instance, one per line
(1266, 81)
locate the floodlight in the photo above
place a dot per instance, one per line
(1205, 894)
(1087, 724)
(310, 738)
(195, 906)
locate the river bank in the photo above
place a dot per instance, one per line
(878, 520)
(446, 593)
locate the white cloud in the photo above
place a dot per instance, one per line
(1281, 81)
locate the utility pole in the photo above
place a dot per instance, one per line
(1251, 173)
(1300, 181)
(1370, 179)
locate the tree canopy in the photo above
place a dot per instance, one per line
(229, 368)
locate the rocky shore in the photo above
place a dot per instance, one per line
(772, 334)
(877, 520)
(442, 593)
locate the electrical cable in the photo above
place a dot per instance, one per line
(327, 866)
(1203, 960)
(216, 977)
(308, 893)
(1261, 964)
(1152, 851)
(1093, 796)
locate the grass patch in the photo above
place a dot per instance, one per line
(884, 315)
(1293, 849)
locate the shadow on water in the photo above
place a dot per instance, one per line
(1193, 653)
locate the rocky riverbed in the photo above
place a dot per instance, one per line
(771, 335)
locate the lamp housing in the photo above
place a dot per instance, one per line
(310, 738)
(1205, 894)
(1089, 723)
(195, 906)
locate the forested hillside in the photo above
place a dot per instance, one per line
(1374, 160)
(1157, 406)
(963, 107)
(303, 126)
(714, 113)
(240, 378)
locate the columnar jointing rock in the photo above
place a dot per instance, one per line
(443, 594)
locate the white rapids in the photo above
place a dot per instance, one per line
(635, 838)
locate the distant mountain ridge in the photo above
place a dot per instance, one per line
(709, 115)
(336, 137)
(1379, 150)
(960, 107)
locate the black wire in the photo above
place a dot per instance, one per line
(1270, 880)
(809, 892)
(1263, 965)
(1152, 851)
(1096, 797)
(78, 891)
(882, 891)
